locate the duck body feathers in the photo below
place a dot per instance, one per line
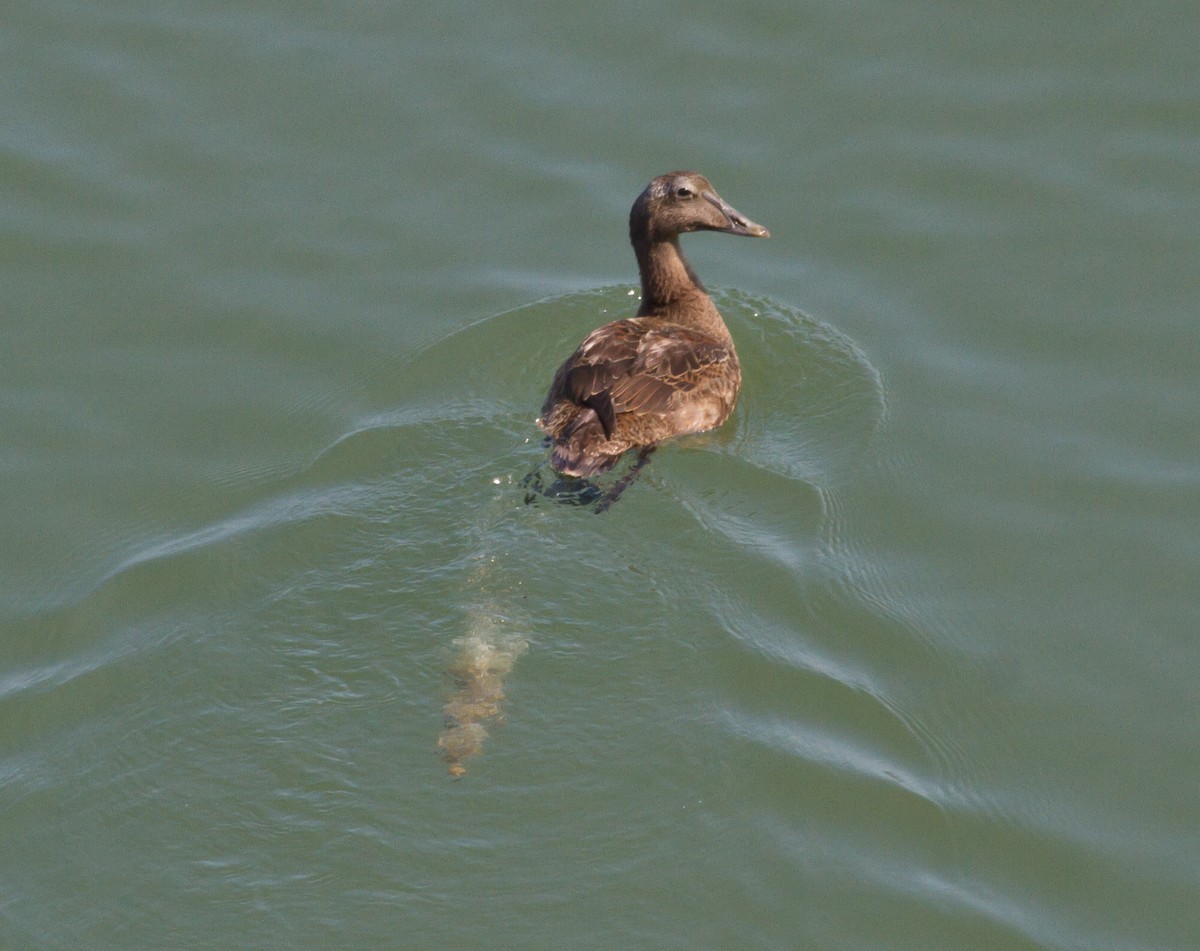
(633, 383)
(670, 370)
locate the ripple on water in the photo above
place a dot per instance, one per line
(764, 488)
(429, 492)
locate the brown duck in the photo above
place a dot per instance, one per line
(669, 370)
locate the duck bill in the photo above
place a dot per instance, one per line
(737, 222)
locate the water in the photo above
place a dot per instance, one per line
(901, 657)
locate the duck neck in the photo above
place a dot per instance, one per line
(668, 282)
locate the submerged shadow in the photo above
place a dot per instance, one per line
(477, 674)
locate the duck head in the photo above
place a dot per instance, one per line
(679, 202)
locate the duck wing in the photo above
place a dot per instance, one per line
(629, 367)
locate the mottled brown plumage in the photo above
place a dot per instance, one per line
(669, 370)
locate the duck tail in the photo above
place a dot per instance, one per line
(577, 447)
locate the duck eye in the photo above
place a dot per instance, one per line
(684, 192)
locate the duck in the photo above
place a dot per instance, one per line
(670, 369)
